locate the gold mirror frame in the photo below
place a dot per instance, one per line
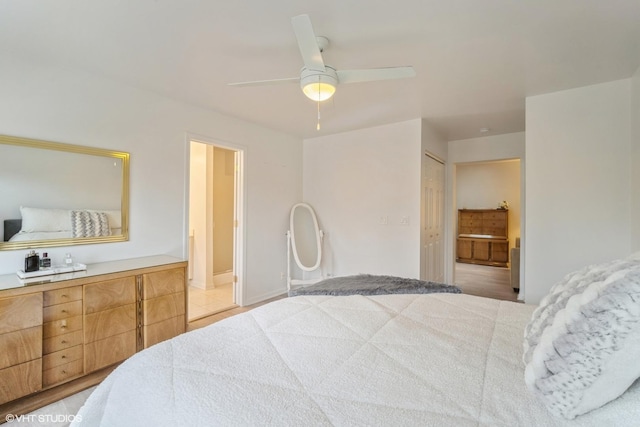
(77, 149)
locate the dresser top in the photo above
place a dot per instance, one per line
(12, 281)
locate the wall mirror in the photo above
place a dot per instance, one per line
(305, 237)
(55, 194)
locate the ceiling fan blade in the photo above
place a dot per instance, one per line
(307, 43)
(372, 74)
(266, 82)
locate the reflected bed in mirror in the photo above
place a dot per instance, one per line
(55, 194)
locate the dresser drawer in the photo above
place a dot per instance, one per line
(109, 294)
(164, 330)
(20, 346)
(164, 307)
(469, 230)
(497, 223)
(107, 323)
(163, 283)
(62, 311)
(60, 296)
(62, 326)
(100, 354)
(20, 380)
(499, 215)
(60, 342)
(62, 373)
(61, 357)
(469, 215)
(20, 312)
(468, 222)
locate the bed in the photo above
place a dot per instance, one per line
(427, 360)
(38, 224)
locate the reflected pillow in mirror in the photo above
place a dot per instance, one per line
(89, 224)
(114, 217)
(41, 219)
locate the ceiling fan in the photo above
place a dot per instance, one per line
(319, 81)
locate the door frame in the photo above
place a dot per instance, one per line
(240, 194)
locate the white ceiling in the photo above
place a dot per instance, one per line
(476, 60)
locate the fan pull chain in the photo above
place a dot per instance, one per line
(318, 125)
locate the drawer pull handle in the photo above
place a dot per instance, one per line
(64, 372)
(65, 296)
(64, 311)
(63, 342)
(64, 357)
(63, 326)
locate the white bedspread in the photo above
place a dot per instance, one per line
(389, 360)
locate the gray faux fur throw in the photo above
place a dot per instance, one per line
(368, 284)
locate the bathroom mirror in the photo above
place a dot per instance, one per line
(305, 237)
(55, 194)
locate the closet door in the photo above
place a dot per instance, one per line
(433, 220)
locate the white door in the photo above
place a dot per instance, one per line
(433, 220)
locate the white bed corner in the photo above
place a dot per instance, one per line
(427, 360)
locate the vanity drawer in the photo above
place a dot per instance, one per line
(20, 312)
(20, 346)
(20, 380)
(60, 296)
(163, 283)
(62, 373)
(164, 330)
(62, 311)
(109, 294)
(100, 354)
(62, 326)
(107, 323)
(164, 307)
(61, 357)
(60, 342)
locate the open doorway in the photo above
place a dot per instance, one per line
(485, 186)
(214, 177)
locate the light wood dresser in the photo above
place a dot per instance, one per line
(63, 333)
(483, 237)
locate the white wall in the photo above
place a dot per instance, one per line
(578, 181)
(635, 160)
(79, 108)
(355, 178)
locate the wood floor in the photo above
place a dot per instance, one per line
(485, 281)
(227, 313)
(480, 280)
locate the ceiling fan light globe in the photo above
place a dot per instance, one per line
(319, 85)
(319, 91)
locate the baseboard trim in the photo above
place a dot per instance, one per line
(223, 278)
(263, 297)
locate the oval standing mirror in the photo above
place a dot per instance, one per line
(305, 237)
